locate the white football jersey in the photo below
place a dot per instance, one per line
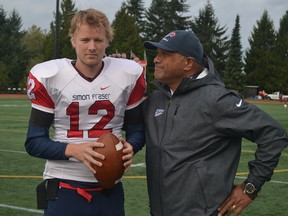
(84, 110)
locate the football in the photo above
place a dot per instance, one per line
(112, 167)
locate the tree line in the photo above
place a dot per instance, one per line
(263, 64)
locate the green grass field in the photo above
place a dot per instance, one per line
(20, 173)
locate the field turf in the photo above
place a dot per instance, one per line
(20, 173)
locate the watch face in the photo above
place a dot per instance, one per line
(250, 188)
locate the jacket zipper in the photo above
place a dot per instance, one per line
(160, 154)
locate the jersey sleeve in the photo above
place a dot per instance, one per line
(37, 89)
(138, 91)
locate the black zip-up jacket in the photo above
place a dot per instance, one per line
(193, 144)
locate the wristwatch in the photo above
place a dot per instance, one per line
(250, 190)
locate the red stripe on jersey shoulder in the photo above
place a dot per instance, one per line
(139, 90)
(38, 94)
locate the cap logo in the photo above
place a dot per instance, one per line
(170, 35)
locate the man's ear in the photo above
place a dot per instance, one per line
(190, 63)
(72, 42)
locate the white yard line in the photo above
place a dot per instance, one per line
(20, 208)
(138, 165)
(14, 105)
(12, 151)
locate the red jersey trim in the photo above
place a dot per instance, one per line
(139, 90)
(38, 94)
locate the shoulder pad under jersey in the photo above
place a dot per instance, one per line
(131, 67)
(124, 65)
(46, 69)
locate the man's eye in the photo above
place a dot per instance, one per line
(98, 40)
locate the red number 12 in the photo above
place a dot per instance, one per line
(98, 129)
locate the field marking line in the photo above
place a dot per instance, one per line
(144, 177)
(134, 177)
(21, 208)
(14, 105)
(12, 151)
(138, 165)
(275, 171)
(273, 181)
(20, 177)
(249, 151)
(13, 131)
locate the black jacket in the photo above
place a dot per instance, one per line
(193, 144)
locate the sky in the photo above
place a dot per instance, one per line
(41, 12)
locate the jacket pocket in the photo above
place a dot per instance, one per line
(183, 192)
(215, 184)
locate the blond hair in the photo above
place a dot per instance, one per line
(94, 18)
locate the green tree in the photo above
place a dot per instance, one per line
(14, 55)
(34, 41)
(135, 8)
(66, 12)
(49, 46)
(215, 43)
(176, 19)
(165, 16)
(4, 36)
(282, 52)
(17, 65)
(3, 77)
(4, 50)
(154, 29)
(261, 58)
(126, 36)
(234, 77)
(282, 36)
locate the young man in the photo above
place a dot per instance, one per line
(81, 99)
(193, 130)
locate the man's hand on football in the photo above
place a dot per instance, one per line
(128, 154)
(85, 153)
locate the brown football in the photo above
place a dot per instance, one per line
(112, 167)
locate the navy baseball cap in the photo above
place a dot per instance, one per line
(181, 41)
